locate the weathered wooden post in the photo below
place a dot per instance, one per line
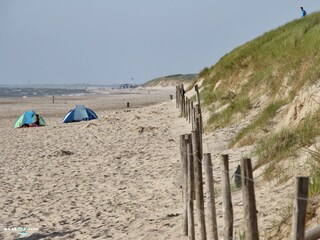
(197, 125)
(52, 99)
(313, 233)
(191, 193)
(300, 208)
(184, 175)
(226, 201)
(194, 119)
(211, 207)
(128, 104)
(182, 103)
(177, 96)
(249, 201)
(198, 101)
(198, 184)
(189, 110)
(191, 113)
(183, 106)
(186, 109)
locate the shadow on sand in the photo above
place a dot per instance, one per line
(37, 236)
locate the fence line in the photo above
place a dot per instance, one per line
(192, 159)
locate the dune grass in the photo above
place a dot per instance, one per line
(288, 52)
(287, 57)
(221, 119)
(314, 188)
(283, 144)
(277, 65)
(268, 113)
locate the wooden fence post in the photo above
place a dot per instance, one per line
(199, 127)
(182, 101)
(128, 104)
(52, 99)
(249, 201)
(226, 201)
(177, 96)
(184, 174)
(300, 208)
(198, 184)
(191, 193)
(211, 207)
(313, 233)
(187, 109)
(199, 106)
(194, 122)
(190, 110)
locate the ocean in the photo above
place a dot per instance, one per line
(34, 92)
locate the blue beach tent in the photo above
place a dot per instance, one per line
(28, 118)
(78, 114)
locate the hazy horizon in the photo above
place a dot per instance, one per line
(107, 42)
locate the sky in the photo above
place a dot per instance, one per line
(128, 41)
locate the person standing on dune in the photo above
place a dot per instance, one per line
(303, 12)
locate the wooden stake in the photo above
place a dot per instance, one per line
(199, 127)
(226, 201)
(211, 207)
(191, 193)
(199, 184)
(300, 208)
(186, 109)
(191, 113)
(313, 233)
(249, 201)
(199, 106)
(182, 103)
(177, 96)
(184, 168)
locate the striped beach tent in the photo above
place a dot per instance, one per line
(79, 113)
(28, 118)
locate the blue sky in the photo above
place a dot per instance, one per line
(113, 41)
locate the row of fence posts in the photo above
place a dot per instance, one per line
(192, 161)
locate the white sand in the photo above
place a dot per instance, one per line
(112, 178)
(115, 177)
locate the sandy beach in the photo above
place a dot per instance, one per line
(117, 177)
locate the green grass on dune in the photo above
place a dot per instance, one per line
(292, 49)
(277, 65)
(285, 143)
(268, 113)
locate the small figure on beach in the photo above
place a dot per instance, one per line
(29, 119)
(303, 12)
(36, 122)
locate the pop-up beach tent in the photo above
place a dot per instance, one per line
(79, 113)
(28, 118)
